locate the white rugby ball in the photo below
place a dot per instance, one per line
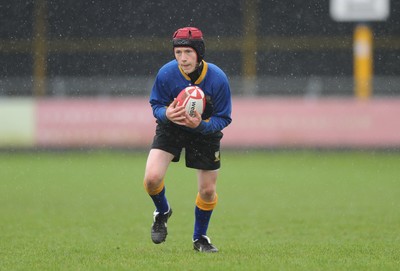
(192, 98)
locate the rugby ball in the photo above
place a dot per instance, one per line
(192, 98)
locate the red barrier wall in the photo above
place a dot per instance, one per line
(333, 122)
(257, 122)
(89, 122)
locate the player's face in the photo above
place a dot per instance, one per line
(187, 58)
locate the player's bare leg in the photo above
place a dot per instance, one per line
(156, 167)
(205, 203)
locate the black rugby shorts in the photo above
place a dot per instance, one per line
(201, 151)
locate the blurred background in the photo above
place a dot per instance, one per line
(55, 55)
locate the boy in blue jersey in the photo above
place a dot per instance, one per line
(200, 135)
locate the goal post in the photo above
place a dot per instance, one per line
(361, 12)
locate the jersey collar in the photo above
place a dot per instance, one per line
(202, 75)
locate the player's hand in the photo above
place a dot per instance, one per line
(176, 113)
(192, 121)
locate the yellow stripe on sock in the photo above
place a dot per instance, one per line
(204, 205)
(155, 191)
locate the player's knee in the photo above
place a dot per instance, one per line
(152, 178)
(153, 183)
(207, 193)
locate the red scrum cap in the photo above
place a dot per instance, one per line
(190, 37)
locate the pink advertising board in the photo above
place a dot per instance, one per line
(329, 122)
(94, 123)
(257, 122)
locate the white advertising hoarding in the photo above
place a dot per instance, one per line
(359, 10)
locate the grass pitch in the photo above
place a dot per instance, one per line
(277, 211)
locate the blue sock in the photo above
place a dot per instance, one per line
(202, 218)
(160, 201)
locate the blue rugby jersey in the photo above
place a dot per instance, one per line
(170, 81)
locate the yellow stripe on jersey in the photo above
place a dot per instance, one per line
(202, 75)
(183, 73)
(204, 205)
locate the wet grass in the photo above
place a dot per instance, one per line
(277, 211)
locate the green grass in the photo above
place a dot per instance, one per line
(277, 211)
